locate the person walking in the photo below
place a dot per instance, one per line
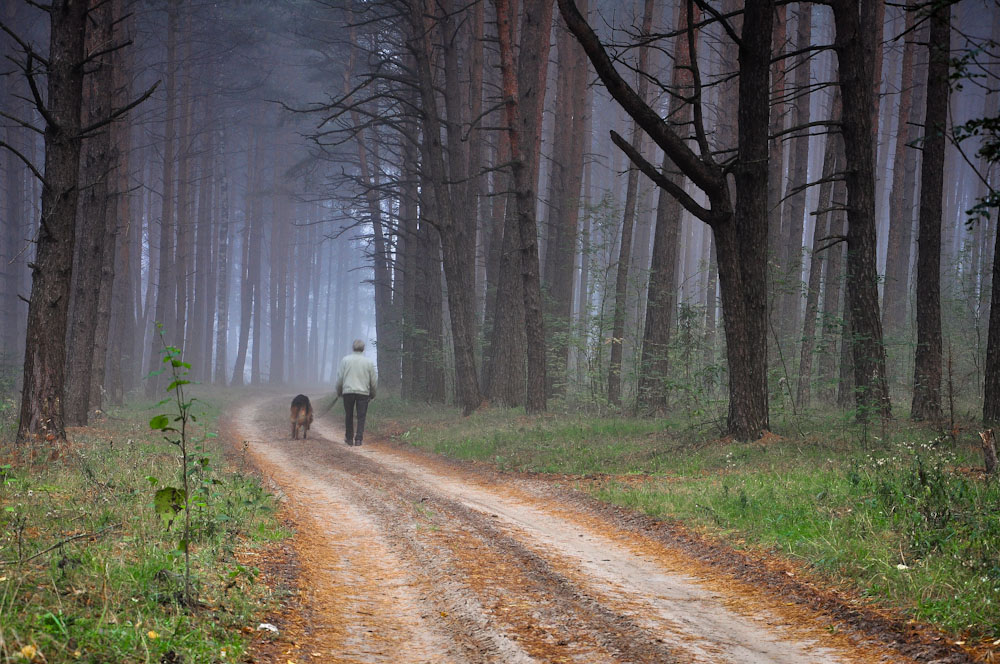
(356, 383)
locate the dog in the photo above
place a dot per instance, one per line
(301, 416)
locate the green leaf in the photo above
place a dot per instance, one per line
(152, 480)
(159, 423)
(182, 545)
(177, 383)
(168, 502)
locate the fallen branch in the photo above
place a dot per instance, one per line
(61, 543)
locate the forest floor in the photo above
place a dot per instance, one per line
(402, 556)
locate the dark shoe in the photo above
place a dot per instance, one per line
(357, 443)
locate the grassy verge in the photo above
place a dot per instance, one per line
(89, 572)
(904, 518)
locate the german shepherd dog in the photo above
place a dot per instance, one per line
(301, 415)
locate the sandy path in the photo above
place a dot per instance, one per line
(410, 560)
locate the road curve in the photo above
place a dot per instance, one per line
(406, 559)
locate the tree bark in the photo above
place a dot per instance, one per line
(564, 200)
(895, 292)
(522, 127)
(927, 358)
(459, 271)
(90, 259)
(991, 383)
(661, 294)
(855, 45)
(42, 414)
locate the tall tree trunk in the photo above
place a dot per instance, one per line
(165, 311)
(459, 271)
(661, 297)
(927, 358)
(855, 45)
(991, 384)
(895, 292)
(184, 255)
(795, 193)
(523, 127)
(280, 232)
(821, 233)
(90, 257)
(201, 351)
(255, 271)
(120, 360)
(41, 413)
(778, 117)
(564, 199)
(222, 295)
(624, 256)
(246, 284)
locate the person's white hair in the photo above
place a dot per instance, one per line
(358, 345)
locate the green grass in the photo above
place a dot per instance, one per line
(115, 594)
(900, 516)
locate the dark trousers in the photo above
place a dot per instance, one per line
(352, 401)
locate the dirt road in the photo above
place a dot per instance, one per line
(405, 558)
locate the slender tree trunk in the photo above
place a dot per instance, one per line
(201, 351)
(795, 193)
(897, 261)
(280, 232)
(184, 256)
(927, 359)
(564, 199)
(165, 312)
(991, 385)
(855, 46)
(90, 257)
(624, 256)
(41, 413)
(256, 269)
(778, 118)
(222, 295)
(661, 297)
(821, 233)
(246, 283)
(121, 358)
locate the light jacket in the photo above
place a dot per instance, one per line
(356, 375)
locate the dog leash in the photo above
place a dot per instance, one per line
(330, 407)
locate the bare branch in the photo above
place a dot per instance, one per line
(23, 123)
(50, 120)
(117, 113)
(27, 162)
(662, 180)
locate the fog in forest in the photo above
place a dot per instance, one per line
(623, 206)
